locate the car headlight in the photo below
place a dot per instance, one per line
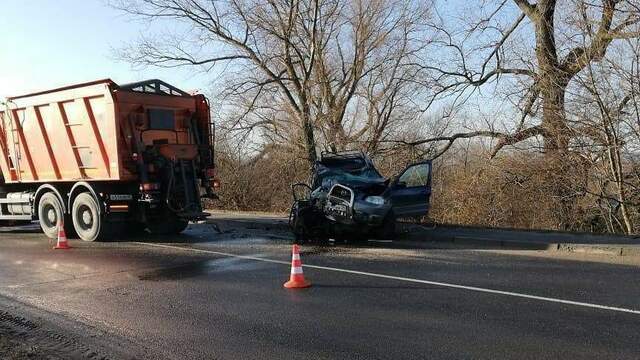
(376, 200)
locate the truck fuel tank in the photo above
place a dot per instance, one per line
(20, 203)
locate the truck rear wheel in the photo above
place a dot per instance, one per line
(50, 214)
(135, 228)
(179, 226)
(86, 218)
(171, 225)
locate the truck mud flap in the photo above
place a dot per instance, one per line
(183, 196)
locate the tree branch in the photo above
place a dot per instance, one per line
(527, 8)
(519, 136)
(581, 56)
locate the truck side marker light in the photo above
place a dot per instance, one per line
(149, 186)
(119, 208)
(62, 244)
(296, 279)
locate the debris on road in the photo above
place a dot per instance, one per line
(416, 236)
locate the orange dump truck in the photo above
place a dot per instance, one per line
(106, 157)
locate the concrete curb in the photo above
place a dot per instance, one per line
(600, 249)
(592, 249)
(510, 244)
(478, 241)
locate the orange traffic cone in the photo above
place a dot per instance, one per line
(62, 238)
(297, 277)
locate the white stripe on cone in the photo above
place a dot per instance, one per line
(296, 256)
(296, 270)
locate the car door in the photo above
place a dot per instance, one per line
(411, 190)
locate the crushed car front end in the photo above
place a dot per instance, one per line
(349, 196)
(354, 206)
(350, 190)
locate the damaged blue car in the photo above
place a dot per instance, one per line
(349, 198)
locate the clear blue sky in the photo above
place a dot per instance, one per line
(50, 43)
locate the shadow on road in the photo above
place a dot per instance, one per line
(21, 229)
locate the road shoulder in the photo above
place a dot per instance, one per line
(27, 332)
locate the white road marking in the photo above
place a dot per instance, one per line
(412, 280)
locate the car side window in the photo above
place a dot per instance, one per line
(416, 176)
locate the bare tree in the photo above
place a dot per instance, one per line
(607, 128)
(530, 53)
(298, 65)
(561, 47)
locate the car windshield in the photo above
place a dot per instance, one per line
(346, 171)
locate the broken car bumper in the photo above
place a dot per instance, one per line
(343, 208)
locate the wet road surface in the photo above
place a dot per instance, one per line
(219, 295)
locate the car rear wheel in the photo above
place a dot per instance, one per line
(86, 218)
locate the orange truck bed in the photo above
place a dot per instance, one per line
(80, 132)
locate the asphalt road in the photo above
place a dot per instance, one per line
(206, 295)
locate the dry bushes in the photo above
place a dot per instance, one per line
(515, 191)
(505, 192)
(509, 191)
(261, 183)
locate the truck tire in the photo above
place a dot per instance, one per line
(135, 228)
(179, 226)
(50, 214)
(87, 221)
(171, 225)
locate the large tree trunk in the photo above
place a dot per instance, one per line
(308, 137)
(553, 83)
(556, 133)
(556, 146)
